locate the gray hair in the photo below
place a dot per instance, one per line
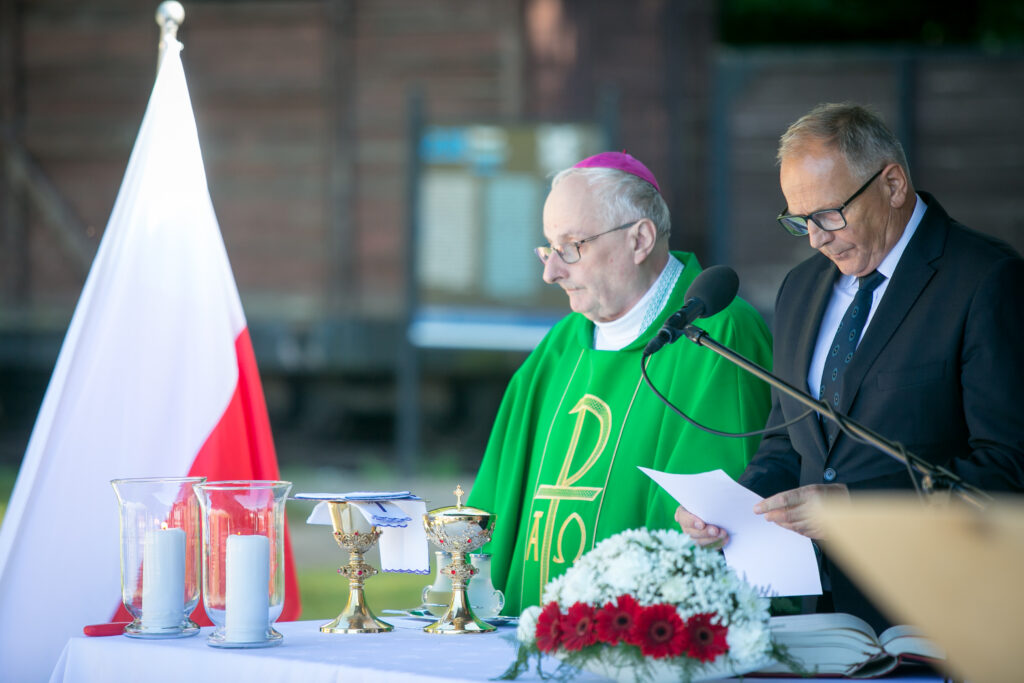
(859, 134)
(622, 196)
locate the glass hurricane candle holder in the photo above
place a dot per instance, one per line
(159, 554)
(243, 560)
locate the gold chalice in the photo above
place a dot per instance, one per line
(459, 530)
(355, 535)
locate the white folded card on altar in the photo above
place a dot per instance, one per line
(398, 514)
(777, 560)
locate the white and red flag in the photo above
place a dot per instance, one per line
(156, 377)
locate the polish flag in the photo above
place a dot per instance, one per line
(156, 377)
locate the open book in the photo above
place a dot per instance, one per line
(844, 645)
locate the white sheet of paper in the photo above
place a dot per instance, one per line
(778, 560)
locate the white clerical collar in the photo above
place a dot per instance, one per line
(888, 265)
(623, 331)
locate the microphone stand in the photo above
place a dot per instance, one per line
(933, 477)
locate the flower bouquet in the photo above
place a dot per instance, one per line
(648, 606)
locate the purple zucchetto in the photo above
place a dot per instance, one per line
(622, 162)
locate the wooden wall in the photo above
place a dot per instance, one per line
(302, 110)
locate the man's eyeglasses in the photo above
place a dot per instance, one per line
(570, 251)
(826, 219)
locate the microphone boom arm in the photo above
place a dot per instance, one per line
(933, 476)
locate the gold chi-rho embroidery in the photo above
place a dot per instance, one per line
(564, 489)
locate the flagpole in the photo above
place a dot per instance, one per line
(169, 16)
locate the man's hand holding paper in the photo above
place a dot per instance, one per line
(777, 559)
(702, 533)
(794, 509)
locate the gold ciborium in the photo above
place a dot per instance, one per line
(459, 530)
(355, 535)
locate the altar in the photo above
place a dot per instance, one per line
(309, 656)
(306, 655)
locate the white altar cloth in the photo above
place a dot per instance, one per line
(307, 656)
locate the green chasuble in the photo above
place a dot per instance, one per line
(560, 470)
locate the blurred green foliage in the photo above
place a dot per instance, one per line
(8, 473)
(991, 24)
(324, 593)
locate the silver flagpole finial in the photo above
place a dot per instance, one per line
(169, 16)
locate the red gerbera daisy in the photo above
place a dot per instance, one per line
(615, 621)
(660, 632)
(549, 628)
(578, 627)
(707, 640)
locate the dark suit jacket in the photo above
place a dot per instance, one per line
(938, 370)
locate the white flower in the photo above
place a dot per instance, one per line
(748, 640)
(526, 632)
(663, 566)
(626, 573)
(553, 590)
(676, 589)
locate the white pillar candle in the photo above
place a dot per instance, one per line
(247, 594)
(163, 578)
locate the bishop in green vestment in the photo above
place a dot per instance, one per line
(560, 469)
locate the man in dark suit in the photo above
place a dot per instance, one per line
(936, 365)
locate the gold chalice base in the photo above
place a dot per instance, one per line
(459, 620)
(356, 619)
(459, 617)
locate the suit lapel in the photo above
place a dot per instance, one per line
(912, 274)
(820, 293)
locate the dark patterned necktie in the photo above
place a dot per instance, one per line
(843, 345)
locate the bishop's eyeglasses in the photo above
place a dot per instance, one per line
(570, 251)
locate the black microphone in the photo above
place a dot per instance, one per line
(709, 293)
